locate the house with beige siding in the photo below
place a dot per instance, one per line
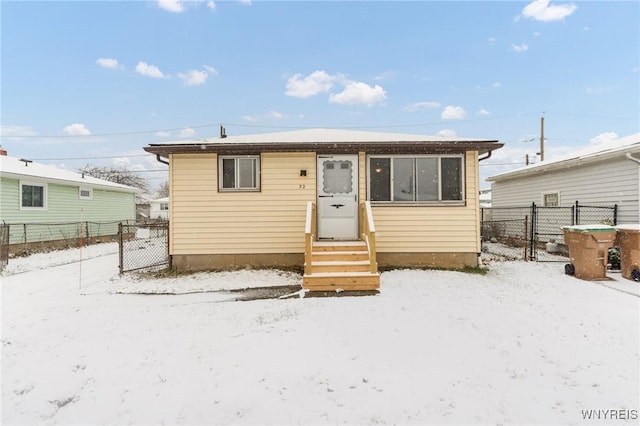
(338, 203)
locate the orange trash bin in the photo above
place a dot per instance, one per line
(588, 250)
(628, 239)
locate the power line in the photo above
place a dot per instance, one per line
(140, 132)
(91, 158)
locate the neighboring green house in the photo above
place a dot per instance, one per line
(44, 203)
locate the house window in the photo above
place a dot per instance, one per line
(551, 199)
(33, 196)
(85, 193)
(415, 179)
(164, 206)
(239, 173)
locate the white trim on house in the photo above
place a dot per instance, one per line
(85, 193)
(42, 185)
(543, 198)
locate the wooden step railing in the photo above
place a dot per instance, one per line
(368, 233)
(309, 235)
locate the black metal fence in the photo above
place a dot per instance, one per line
(143, 246)
(535, 232)
(4, 246)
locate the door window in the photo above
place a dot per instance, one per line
(337, 177)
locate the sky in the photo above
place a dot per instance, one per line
(93, 82)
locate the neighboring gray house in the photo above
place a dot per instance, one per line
(159, 209)
(604, 176)
(44, 203)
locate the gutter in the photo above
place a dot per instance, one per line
(632, 158)
(160, 160)
(486, 157)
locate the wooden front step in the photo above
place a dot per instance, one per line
(333, 281)
(340, 265)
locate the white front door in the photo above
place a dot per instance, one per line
(338, 197)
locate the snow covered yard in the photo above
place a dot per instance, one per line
(523, 344)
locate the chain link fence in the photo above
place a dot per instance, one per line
(535, 232)
(144, 246)
(27, 238)
(4, 246)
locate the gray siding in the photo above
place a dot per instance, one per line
(609, 182)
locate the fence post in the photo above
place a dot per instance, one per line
(120, 248)
(615, 214)
(577, 213)
(24, 227)
(533, 232)
(526, 225)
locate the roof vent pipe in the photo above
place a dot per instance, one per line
(223, 132)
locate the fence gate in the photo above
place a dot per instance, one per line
(534, 232)
(4, 246)
(144, 246)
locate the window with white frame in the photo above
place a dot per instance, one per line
(85, 193)
(239, 173)
(416, 179)
(164, 206)
(551, 199)
(33, 196)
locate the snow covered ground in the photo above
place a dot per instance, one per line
(523, 344)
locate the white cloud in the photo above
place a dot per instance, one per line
(519, 48)
(483, 112)
(537, 34)
(122, 162)
(604, 138)
(149, 70)
(492, 40)
(420, 105)
(451, 112)
(540, 10)
(449, 133)
(196, 77)
(193, 77)
(497, 84)
(175, 6)
(311, 85)
(277, 115)
(162, 134)
(187, 132)
(245, 2)
(358, 93)
(16, 131)
(210, 70)
(249, 118)
(211, 5)
(109, 63)
(76, 129)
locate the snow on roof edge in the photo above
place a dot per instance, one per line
(586, 154)
(15, 168)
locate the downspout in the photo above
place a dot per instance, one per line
(159, 158)
(485, 158)
(637, 161)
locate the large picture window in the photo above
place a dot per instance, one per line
(415, 179)
(33, 195)
(239, 173)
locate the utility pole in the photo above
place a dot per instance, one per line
(541, 138)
